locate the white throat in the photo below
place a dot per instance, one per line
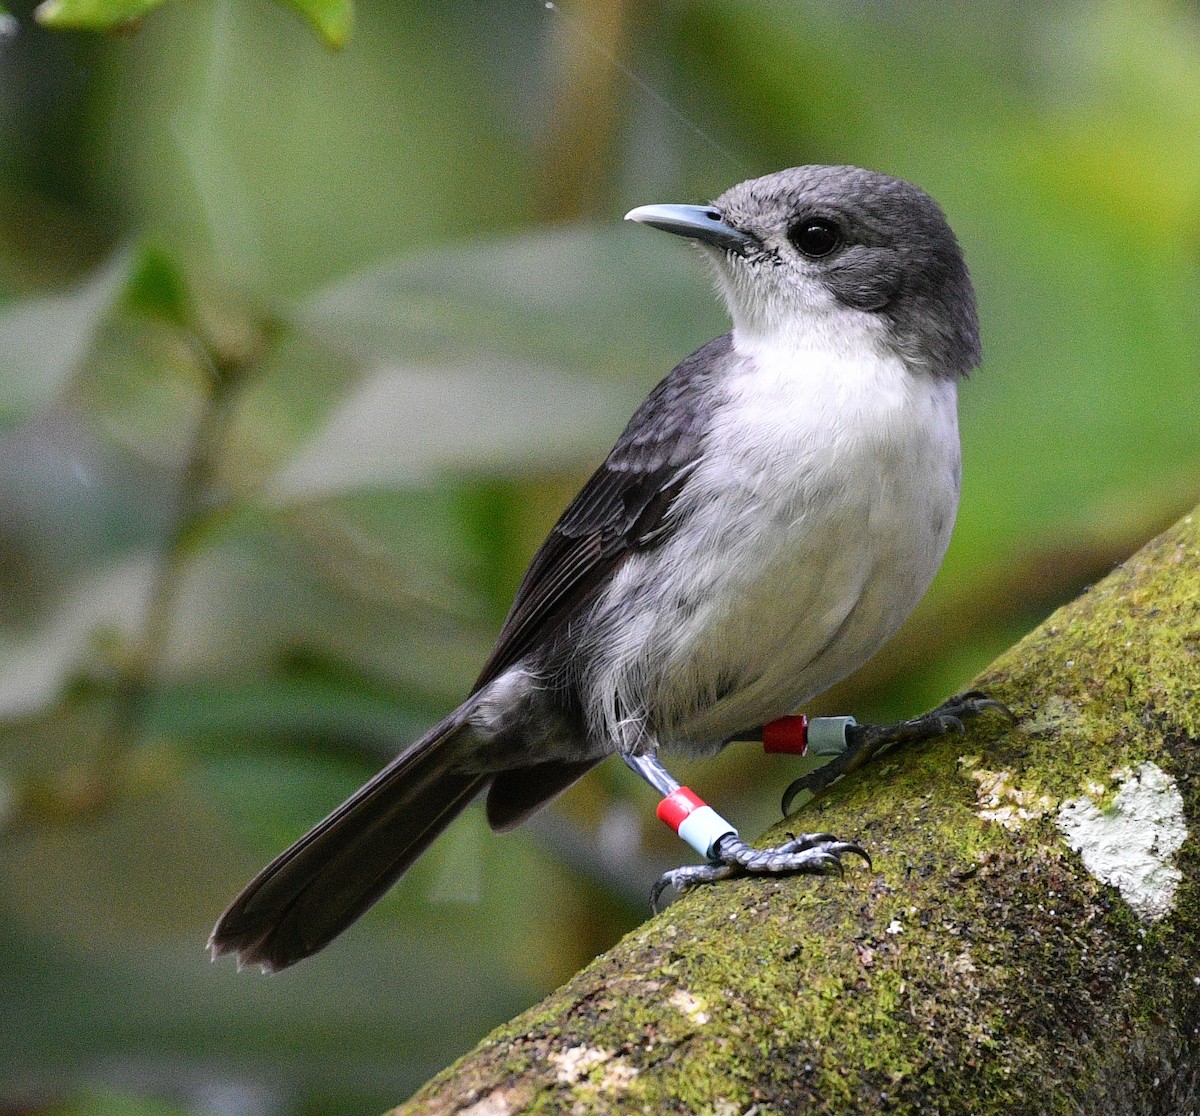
(772, 321)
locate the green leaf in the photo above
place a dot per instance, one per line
(544, 342)
(504, 417)
(157, 288)
(91, 15)
(273, 707)
(44, 339)
(110, 1103)
(575, 298)
(35, 664)
(333, 20)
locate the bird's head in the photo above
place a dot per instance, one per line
(808, 255)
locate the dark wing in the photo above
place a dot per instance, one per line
(618, 511)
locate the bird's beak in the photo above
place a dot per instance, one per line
(700, 222)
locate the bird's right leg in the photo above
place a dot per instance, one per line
(697, 823)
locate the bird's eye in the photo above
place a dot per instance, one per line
(815, 238)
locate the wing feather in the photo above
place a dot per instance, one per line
(622, 508)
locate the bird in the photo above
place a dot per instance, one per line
(769, 517)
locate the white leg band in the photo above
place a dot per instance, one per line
(827, 735)
(703, 828)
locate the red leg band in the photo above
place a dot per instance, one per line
(787, 735)
(673, 809)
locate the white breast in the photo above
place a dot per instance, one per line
(819, 514)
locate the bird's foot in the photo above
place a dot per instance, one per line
(818, 853)
(864, 742)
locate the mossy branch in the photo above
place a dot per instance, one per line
(980, 967)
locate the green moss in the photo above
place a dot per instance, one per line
(975, 968)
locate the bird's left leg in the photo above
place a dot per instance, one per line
(852, 745)
(717, 840)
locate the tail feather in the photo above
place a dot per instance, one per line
(519, 792)
(311, 892)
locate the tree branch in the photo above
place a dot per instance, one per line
(980, 967)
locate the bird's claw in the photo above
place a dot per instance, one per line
(972, 704)
(689, 876)
(816, 853)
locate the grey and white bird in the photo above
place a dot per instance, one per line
(770, 516)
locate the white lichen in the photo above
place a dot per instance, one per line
(691, 1006)
(1001, 801)
(1130, 843)
(496, 1103)
(576, 1061)
(574, 1067)
(618, 1075)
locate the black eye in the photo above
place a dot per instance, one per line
(815, 238)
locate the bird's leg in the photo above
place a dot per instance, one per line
(714, 838)
(861, 743)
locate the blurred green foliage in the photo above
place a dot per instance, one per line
(302, 352)
(333, 20)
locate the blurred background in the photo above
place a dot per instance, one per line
(301, 353)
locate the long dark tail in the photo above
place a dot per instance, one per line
(309, 894)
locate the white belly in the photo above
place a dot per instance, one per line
(817, 520)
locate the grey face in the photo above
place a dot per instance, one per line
(878, 244)
(872, 242)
